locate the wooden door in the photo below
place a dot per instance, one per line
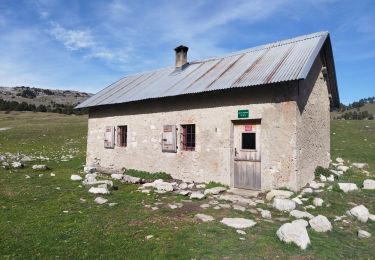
(247, 155)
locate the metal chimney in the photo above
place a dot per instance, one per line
(181, 56)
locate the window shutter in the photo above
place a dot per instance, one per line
(169, 137)
(109, 137)
(119, 133)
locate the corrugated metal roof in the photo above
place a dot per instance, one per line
(271, 63)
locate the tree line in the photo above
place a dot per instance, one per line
(54, 108)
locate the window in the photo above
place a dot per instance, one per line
(122, 132)
(188, 137)
(248, 141)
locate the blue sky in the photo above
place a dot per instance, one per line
(88, 44)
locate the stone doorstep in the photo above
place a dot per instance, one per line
(244, 192)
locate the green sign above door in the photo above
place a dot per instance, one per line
(243, 113)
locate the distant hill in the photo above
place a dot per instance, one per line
(42, 100)
(358, 110)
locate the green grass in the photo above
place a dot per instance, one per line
(33, 223)
(147, 175)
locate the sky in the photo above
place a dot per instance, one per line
(88, 44)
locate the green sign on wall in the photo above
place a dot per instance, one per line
(243, 113)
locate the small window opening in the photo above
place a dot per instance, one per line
(122, 135)
(188, 137)
(248, 141)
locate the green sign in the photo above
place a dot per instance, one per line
(243, 113)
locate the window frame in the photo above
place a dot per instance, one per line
(186, 130)
(255, 141)
(122, 136)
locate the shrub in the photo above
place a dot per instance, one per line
(322, 171)
(213, 184)
(148, 175)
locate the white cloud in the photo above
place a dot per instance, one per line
(72, 39)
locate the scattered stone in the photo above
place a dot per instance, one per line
(191, 186)
(27, 176)
(239, 223)
(131, 179)
(241, 232)
(184, 192)
(112, 204)
(213, 202)
(100, 200)
(339, 160)
(360, 165)
(284, 194)
(225, 206)
(75, 177)
(301, 222)
(88, 169)
(160, 185)
(99, 190)
(347, 187)
(339, 218)
(295, 233)
(172, 206)
(205, 206)
(58, 188)
(360, 212)
(266, 214)
(316, 185)
(309, 207)
(318, 202)
(259, 201)
(320, 223)
(201, 186)
(17, 165)
(342, 168)
(307, 190)
(52, 174)
(304, 199)
(40, 167)
(216, 207)
(252, 211)
(331, 178)
(197, 195)
(284, 204)
(145, 191)
(237, 199)
(297, 200)
(322, 178)
(301, 214)
(238, 207)
(215, 190)
(154, 208)
(204, 217)
(82, 200)
(40, 175)
(369, 184)
(371, 217)
(149, 237)
(363, 234)
(65, 211)
(183, 186)
(337, 173)
(117, 176)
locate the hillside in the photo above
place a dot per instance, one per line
(38, 96)
(351, 112)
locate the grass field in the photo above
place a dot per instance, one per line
(42, 216)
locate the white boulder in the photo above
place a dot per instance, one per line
(369, 184)
(339, 160)
(360, 212)
(300, 214)
(183, 186)
(160, 185)
(347, 187)
(204, 217)
(360, 165)
(130, 179)
(301, 222)
(238, 223)
(215, 190)
(284, 204)
(17, 165)
(316, 185)
(363, 234)
(297, 200)
(197, 195)
(266, 214)
(117, 176)
(284, 194)
(343, 168)
(75, 177)
(320, 223)
(41, 167)
(371, 217)
(294, 233)
(99, 190)
(238, 207)
(100, 200)
(331, 178)
(322, 178)
(318, 202)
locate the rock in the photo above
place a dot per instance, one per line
(130, 179)
(322, 178)
(342, 168)
(339, 160)
(41, 167)
(116, 176)
(216, 207)
(238, 223)
(297, 200)
(112, 204)
(100, 200)
(75, 177)
(238, 207)
(371, 217)
(213, 202)
(52, 174)
(172, 206)
(241, 232)
(309, 207)
(154, 208)
(347, 187)
(204, 217)
(26, 159)
(149, 237)
(331, 178)
(301, 222)
(201, 186)
(82, 200)
(284, 194)
(294, 233)
(236, 199)
(301, 214)
(360, 212)
(99, 190)
(253, 211)
(215, 190)
(27, 176)
(191, 186)
(225, 206)
(145, 191)
(318, 202)
(266, 214)
(160, 185)
(184, 192)
(307, 190)
(363, 234)
(183, 186)
(320, 223)
(316, 185)
(197, 195)
(284, 204)
(337, 173)
(41, 175)
(369, 184)
(360, 165)
(205, 206)
(17, 165)
(88, 169)
(338, 218)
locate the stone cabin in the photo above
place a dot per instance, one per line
(255, 119)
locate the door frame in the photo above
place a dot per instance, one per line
(233, 123)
